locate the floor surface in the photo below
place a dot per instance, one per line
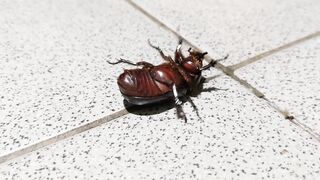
(62, 115)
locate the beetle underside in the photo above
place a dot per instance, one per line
(136, 100)
(173, 80)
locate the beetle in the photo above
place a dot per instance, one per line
(172, 80)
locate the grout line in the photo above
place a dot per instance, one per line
(42, 143)
(218, 65)
(229, 70)
(61, 136)
(231, 74)
(293, 120)
(137, 7)
(273, 51)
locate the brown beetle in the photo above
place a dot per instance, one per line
(168, 81)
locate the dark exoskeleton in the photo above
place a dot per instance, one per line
(172, 80)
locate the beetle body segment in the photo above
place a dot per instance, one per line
(150, 84)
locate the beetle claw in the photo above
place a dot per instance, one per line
(113, 63)
(180, 40)
(178, 102)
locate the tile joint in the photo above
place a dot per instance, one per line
(273, 51)
(293, 119)
(61, 136)
(229, 70)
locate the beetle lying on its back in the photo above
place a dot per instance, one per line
(171, 80)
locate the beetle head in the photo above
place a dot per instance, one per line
(193, 63)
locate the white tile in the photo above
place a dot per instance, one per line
(54, 75)
(291, 80)
(238, 136)
(242, 28)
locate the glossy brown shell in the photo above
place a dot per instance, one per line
(150, 81)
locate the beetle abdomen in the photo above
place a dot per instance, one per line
(138, 100)
(138, 82)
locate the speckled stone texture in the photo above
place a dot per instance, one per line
(237, 136)
(291, 79)
(54, 75)
(241, 28)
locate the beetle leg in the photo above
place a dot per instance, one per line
(212, 63)
(144, 64)
(140, 63)
(196, 89)
(224, 58)
(194, 107)
(122, 61)
(212, 89)
(175, 94)
(208, 66)
(158, 49)
(178, 103)
(178, 55)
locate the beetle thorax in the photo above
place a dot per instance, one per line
(192, 65)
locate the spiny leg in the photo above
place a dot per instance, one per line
(158, 49)
(194, 107)
(206, 80)
(213, 89)
(122, 61)
(217, 60)
(197, 88)
(178, 104)
(212, 63)
(140, 63)
(208, 66)
(178, 55)
(177, 101)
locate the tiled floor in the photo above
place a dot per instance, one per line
(291, 79)
(242, 28)
(55, 79)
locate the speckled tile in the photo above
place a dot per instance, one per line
(291, 80)
(54, 75)
(241, 28)
(238, 136)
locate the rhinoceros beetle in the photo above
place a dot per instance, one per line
(172, 80)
